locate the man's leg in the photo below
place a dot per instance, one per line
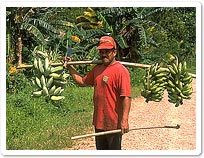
(114, 141)
(101, 141)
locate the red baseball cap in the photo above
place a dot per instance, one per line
(106, 42)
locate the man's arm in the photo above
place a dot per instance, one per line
(126, 103)
(75, 75)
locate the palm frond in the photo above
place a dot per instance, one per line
(121, 41)
(43, 24)
(35, 31)
(107, 27)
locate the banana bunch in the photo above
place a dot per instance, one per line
(154, 83)
(179, 84)
(49, 81)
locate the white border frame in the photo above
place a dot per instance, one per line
(78, 3)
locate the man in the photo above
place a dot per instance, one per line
(111, 81)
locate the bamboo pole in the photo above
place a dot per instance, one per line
(119, 130)
(144, 66)
(89, 62)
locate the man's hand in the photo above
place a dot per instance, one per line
(67, 57)
(124, 126)
(66, 60)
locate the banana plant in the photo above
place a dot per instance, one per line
(23, 22)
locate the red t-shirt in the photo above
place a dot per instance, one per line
(110, 83)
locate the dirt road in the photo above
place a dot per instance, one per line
(151, 114)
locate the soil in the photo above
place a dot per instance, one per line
(156, 114)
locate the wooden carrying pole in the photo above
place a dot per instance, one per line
(89, 62)
(144, 66)
(119, 130)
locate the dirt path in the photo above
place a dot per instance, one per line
(152, 114)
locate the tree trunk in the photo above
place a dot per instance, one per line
(19, 51)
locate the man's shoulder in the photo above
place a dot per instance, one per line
(121, 66)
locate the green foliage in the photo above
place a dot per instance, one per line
(16, 81)
(136, 75)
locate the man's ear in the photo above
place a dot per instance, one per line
(115, 52)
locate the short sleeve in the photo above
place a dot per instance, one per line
(89, 78)
(124, 83)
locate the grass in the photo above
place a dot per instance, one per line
(36, 125)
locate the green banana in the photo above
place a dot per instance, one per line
(188, 91)
(64, 76)
(180, 85)
(47, 71)
(45, 91)
(57, 69)
(178, 90)
(184, 96)
(51, 91)
(49, 82)
(46, 65)
(161, 80)
(184, 67)
(34, 83)
(170, 83)
(61, 91)
(57, 90)
(171, 70)
(187, 79)
(163, 84)
(175, 68)
(56, 98)
(37, 93)
(41, 54)
(37, 80)
(43, 82)
(162, 74)
(60, 83)
(40, 65)
(180, 68)
(35, 63)
(55, 75)
(151, 69)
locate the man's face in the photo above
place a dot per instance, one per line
(107, 56)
